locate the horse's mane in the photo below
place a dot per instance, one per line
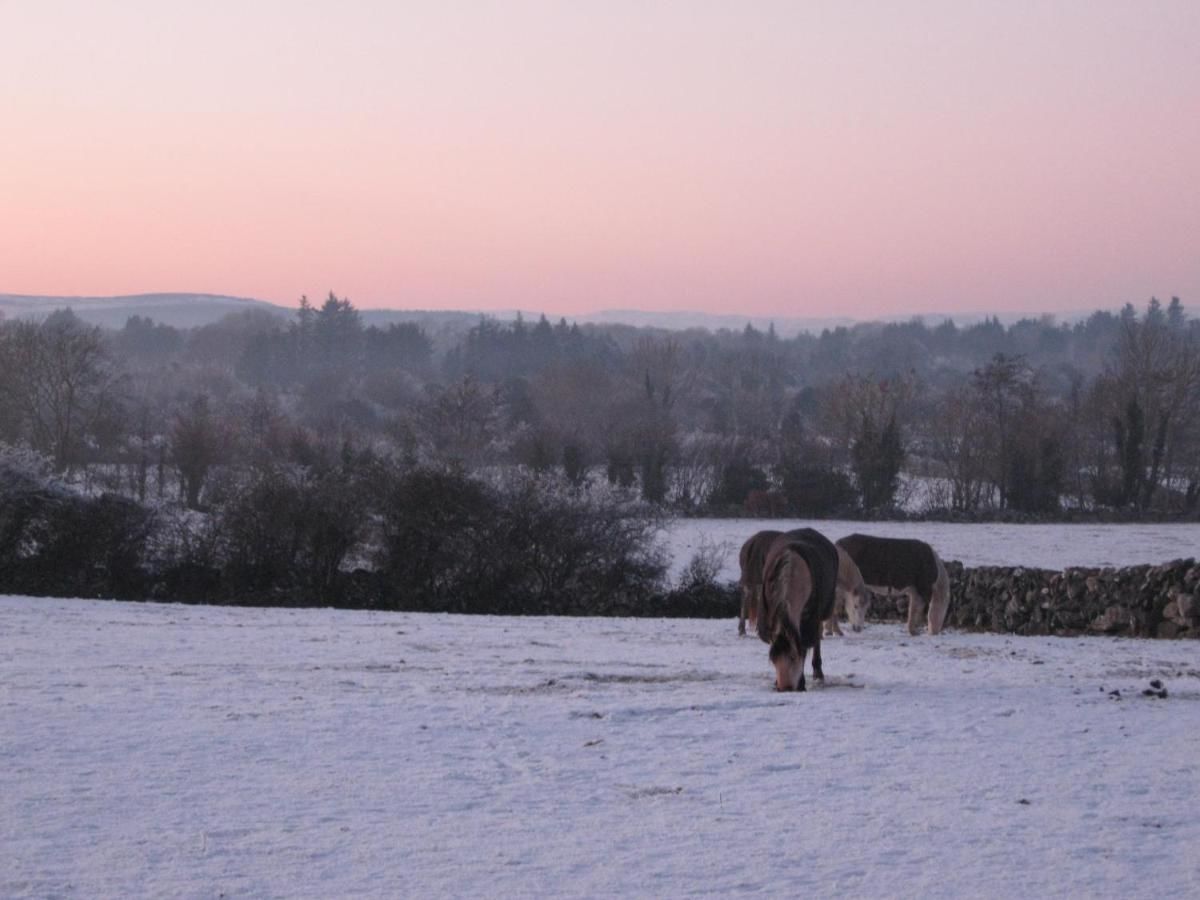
(775, 626)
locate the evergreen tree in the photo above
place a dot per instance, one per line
(876, 458)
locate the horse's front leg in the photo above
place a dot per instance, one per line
(800, 685)
(743, 611)
(916, 611)
(818, 672)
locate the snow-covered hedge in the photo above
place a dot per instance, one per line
(374, 536)
(54, 540)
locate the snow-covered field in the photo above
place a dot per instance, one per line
(987, 544)
(173, 751)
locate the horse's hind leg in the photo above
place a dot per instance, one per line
(743, 611)
(916, 610)
(940, 603)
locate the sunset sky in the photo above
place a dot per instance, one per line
(769, 158)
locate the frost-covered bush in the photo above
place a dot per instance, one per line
(706, 563)
(345, 535)
(185, 557)
(529, 545)
(26, 499)
(56, 541)
(699, 592)
(579, 551)
(284, 537)
(21, 460)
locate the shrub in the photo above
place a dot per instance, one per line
(284, 538)
(738, 481)
(54, 541)
(700, 594)
(533, 546)
(816, 490)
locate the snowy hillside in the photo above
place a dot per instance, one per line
(175, 309)
(172, 751)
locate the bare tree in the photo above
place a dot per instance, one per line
(746, 387)
(855, 402)
(1157, 376)
(197, 442)
(998, 391)
(144, 433)
(462, 420)
(62, 380)
(659, 381)
(954, 435)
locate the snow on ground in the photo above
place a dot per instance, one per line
(181, 751)
(985, 544)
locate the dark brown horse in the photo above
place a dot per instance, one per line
(799, 583)
(905, 565)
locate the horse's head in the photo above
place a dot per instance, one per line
(858, 604)
(789, 664)
(850, 585)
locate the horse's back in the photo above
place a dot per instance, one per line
(821, 556)
(753, 555)
(893, 562)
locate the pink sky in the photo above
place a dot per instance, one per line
(771, 158)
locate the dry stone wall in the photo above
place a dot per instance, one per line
(1138, 601)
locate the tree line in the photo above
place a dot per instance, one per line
(1037, 418)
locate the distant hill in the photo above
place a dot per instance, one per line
(785, 326)
(191, 310)
(790, 326)
(178, 310)
(668, 321)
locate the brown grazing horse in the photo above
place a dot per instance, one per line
(853, 598)
(905, 565)
(799, 583)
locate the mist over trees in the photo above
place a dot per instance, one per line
(523, 467)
